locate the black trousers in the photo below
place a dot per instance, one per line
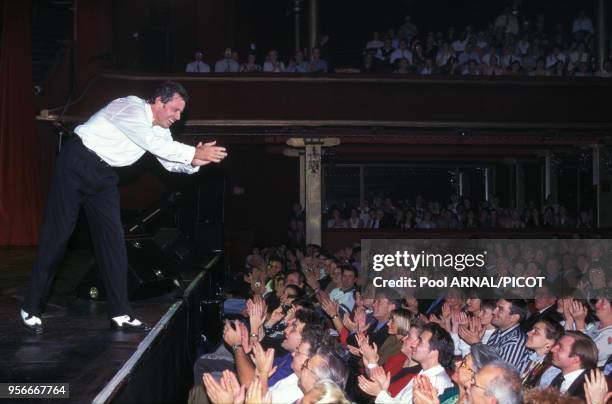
(81, 180)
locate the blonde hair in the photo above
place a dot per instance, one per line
(328, 392)
(402, 318)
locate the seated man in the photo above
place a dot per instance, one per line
(575, 354)
(344, 295)
(433, 351)
(325, 364)
(287, 389)
(497, 382)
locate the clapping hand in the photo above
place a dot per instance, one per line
(219, 392)
(368, 351)
(254, 394)
(263, 360)
(424, 392)
(330, 307)
(256, 309)
(473, 332)
(596, 388)
(232, 335)
(378, 381)
(578, 313)
(207, 153)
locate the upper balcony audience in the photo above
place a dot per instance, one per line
(509, 45)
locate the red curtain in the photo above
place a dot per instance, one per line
(20, 194)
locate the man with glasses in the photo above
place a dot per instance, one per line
(325, 364)
(287, 389)
(497, 382)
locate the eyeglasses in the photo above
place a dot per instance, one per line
(464, 365)
(305, 366)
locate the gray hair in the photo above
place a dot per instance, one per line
(482, 355)
(332, 367)
(506, 387)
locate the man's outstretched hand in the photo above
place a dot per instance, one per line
(207, 153)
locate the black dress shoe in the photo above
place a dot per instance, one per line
(35, 329)
(130, 324)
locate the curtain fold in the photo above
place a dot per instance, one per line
(20, 191)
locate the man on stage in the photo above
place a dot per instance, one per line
(116, 136)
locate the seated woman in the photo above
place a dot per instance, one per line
(540, 339)
(401, 366)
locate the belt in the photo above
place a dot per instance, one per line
(92, 152)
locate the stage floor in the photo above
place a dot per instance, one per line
(78, 346)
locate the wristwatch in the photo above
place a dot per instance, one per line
(235, 347)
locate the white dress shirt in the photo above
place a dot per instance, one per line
(568, 379)
(437, 376)
(123, 131)
(346, 299)
(286, 390)
(197, 67)
(227, 66)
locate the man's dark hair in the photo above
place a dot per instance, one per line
(487, 304)
(303, 302)
(276, 258)
(442, 342)
(301, 277)
(166, 91)
(295, 291)
(316, 336)
(391, 295)
(519, 307)
(307, 316)
(347, 267)
(584, 348)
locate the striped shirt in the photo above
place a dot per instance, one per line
(510, 345)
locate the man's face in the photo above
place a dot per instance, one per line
(165, 114)
(481, 381)
(307, 378)
(603, 308)
(382, 307)
(562, 351)
(274, 267)
(293, 279)
(421, 350)
(293, 336)
(348, 279)
(228, 53)
(502, 318)
(300, 355)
